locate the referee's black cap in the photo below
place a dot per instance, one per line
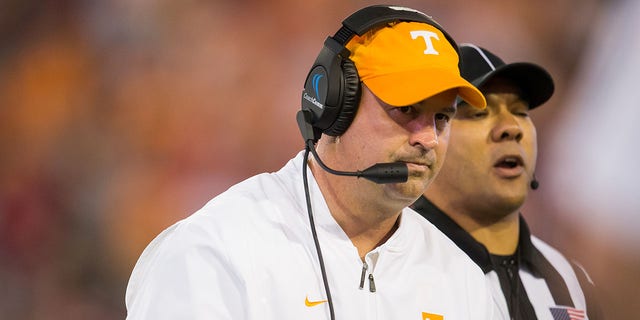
(478, 65)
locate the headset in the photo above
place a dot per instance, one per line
(332, 88)
(331, 96)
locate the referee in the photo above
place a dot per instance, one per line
(477, 196)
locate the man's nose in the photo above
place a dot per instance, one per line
(425, 136)
(507, 128)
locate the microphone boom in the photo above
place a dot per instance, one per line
(391, 172)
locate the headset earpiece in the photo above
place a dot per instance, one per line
(324, 88)
(350, 99)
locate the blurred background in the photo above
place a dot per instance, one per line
(118, 118)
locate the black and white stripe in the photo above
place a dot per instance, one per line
(546, 278)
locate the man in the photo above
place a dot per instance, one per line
(311, 242)
(484, 182)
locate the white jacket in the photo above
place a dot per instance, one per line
(249, 254)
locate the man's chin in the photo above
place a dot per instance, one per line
(408, 191)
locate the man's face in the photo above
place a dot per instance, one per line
(492, 154)
(417, 135)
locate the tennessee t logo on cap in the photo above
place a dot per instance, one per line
(426, 35)
(407, 62)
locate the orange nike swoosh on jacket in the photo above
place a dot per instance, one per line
(313, 303)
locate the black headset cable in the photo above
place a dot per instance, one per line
(313, 229)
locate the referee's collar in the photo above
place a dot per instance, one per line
(529, 254)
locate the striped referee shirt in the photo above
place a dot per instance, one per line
(537, 282)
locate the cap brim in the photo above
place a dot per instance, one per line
(410, 87)
(536, 83)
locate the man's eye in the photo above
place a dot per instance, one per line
(406, 110)
(479, 114)
(443, 117)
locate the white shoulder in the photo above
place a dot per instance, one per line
(564, 268)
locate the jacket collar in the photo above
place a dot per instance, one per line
(528, 254)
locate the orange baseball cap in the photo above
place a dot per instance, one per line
(407, 62)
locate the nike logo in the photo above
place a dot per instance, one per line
(313, 303)
(432, 316)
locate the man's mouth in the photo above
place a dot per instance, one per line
(420, 163)
(509, 162)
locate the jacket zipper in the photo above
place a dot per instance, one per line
(372, 284)
(363, 277)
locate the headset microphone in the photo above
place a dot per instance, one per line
(534, 184)
(392, 172)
